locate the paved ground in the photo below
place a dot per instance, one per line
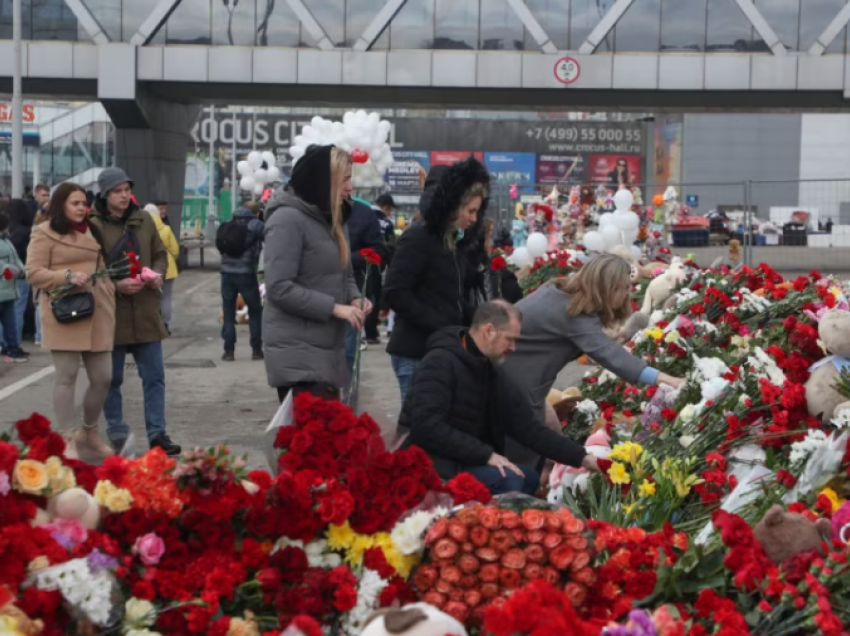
(209, 401)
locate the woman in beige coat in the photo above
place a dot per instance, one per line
(63, 250)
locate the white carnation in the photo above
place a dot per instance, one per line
(138, 613)
(87, 592)
(708, 369)
(368, 589)
(765, 367)
(841, 419)
(800, 451)
(588, 407)
(407, 534)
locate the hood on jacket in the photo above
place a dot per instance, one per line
(451, 339)
(311, 177)
(157, 219)
(444, 190)
(99, 209)
(244, 213)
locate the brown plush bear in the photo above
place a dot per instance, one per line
(822, 398)
(785, 534)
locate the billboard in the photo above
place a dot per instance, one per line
(409, 170)
(447, 158)
(668, 155)
(612, 171)
(509, 168)
(561, 170)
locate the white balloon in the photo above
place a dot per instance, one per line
(269, 158)
(623, 200)
(255, 159)
(594, 242)
(374, 119)
(521, 257)
(537, 244)
(259, 188)
(605, 219)
(296, 152)
(385, 127)
(261, 176)
(628, 221)
(338, 128)
(630, 236)
(244, 169)
(611, 235)
(348, 118)
(309, 132)
(274, 174)
(300, 140)
(636, 253)
(247, 183)
(316, 121)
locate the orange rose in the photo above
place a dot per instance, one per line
(533, 519)
(489, 518)
(30, 477)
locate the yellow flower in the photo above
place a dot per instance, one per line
(340, 537)
(628, 509)
(61, 477)
(655, 333)
(66, 481)
(30, 477)
(626, 452)
(673, 336)
(647, 488)
(402, 563)
(618, 474)
(113, 499)
(362, 542)
(834, 500)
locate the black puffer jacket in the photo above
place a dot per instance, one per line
(460, 407)
(426, 283)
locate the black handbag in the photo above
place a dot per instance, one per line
(73, 307)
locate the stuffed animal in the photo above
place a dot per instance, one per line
(663, 286)
(418, 619)
(841, 523)
(735, 250)
(785, 534)
(822, 398)
(636, 322)
(13, 619)
(73, 504)
(562, 476)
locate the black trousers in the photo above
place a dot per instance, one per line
(319, 389)
(373, 319)
(246, 285)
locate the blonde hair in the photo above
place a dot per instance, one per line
(340, 164)
(475, 190)
(590, 289)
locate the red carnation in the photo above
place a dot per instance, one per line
(35, 426)
(498, 263)
(7, 274)
(371, 256)
(465, 488)
(307, 625)
(8, 457)
(374, 559)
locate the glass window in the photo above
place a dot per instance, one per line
(683, 25)
(358, 16)
(83, 159)
(6, 19)
(728, 28)
(47, 164)
(108, 15)
(639, 29)
(277, 24)
(554, 17)
(133, 14)
(62, 158)
(456, 24)
(413, 27)
(815, 16)
(53, 20)
(783, 16)
(501, 27)
(233, 22)
(584, 16)
(190, 23)
(331, 15)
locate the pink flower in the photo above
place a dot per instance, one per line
(150, 548)
(4, 483)
(148, 275)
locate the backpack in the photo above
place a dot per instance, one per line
(232, 238)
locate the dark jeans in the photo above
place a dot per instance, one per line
(9, 325)
(232, 285)
(319, 389)
(373, 319)
(511, 482)
(151, 368)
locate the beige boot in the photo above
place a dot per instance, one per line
(71, 450)
(88, 436)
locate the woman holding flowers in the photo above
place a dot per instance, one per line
(565, 319)
(310, 290)
(66, 250)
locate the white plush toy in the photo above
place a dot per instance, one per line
(418, 619)
(662, 287)
(575, 479)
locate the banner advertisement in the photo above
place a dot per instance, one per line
(448, 158)
(561, 170)
(668, 155)
(509, 168)
(408, 172)
(614, 171)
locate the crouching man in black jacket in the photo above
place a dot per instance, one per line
(461, 406)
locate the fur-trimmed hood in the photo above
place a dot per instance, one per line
(444, 190)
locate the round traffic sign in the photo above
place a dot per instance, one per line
(567, 70)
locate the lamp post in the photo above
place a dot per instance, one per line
(17, 105)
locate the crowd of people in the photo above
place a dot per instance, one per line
(474, 360)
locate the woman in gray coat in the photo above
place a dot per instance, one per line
(310, 289)
(565, 319)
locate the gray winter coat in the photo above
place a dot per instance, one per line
(550, 339)
(302, 341)
(247, 262)
(9, 260)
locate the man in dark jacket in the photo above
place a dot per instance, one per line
(383, 207)
(239, 277)
(461, 407)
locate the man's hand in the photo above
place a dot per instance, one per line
(129, 286)
(669, 380)
(497, 461)
(156, 283)
(589, 463)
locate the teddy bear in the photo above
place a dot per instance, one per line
(75, 504)
(822, 398)
(16, 621)
(785, 534)
(417, 619)
(663, 286)
(562, 476)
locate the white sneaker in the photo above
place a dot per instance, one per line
(363, 346)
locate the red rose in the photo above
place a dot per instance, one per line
(270, 580)
(8, 457)
(465, 488)
(36, 425)
(7, 274)
(498, 263)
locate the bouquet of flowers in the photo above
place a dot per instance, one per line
(122, 268)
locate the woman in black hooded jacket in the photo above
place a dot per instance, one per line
(427, 283)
